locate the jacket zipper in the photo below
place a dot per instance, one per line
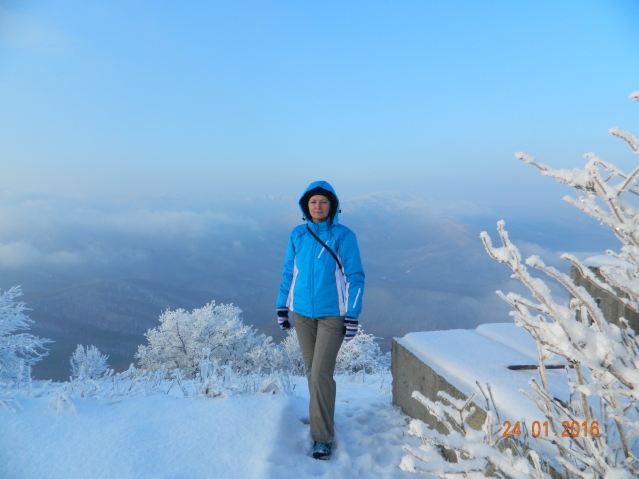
(313, 280)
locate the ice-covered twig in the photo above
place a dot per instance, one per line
(629, 138)
(478, 452)
(578, 292)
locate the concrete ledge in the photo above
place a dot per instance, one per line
(411, 374)
(453, 360)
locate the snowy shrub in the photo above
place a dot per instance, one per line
(604, 358)
(17, 350)
(361, 354)
(61, 402)
(111, 385)
(216, 382)
(292, 356)
(88, 363)
(181, 336)
(211, 381)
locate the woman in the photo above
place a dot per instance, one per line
(322, 285)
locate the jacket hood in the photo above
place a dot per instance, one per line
(320, 188)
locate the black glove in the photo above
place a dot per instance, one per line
(282, 318)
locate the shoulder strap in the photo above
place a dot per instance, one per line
(327, 248)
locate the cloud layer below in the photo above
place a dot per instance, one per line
(78, 262)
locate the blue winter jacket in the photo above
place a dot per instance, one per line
(313, 284)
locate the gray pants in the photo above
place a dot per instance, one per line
(320, 340)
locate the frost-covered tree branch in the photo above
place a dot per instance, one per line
(478, 453)
(604, 356)
(17, 350)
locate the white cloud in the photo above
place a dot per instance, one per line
(25, 218)
(164, 222)
(17, 255)
(20, 254)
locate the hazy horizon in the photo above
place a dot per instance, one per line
(103, 276)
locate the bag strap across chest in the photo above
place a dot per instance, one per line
(339, 263)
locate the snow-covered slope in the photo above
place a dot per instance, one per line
(163, 436)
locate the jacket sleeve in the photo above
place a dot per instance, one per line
(354, 271)
(287, 274)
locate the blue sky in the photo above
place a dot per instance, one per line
(119, 100)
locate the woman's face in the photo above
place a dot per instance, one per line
(318, 208)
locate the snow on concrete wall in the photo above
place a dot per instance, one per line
(455, 360)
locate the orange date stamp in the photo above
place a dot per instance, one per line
(570, 429)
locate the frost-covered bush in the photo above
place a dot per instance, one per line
(88, 363)
(181, 336)
(22, 385)
(111, 385)
(292, 356)
(216, 382)
(361, 354)
(17, 350)
(604, 377)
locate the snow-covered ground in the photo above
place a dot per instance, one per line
(163, 436)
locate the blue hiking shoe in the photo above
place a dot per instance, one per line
(321, 451)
